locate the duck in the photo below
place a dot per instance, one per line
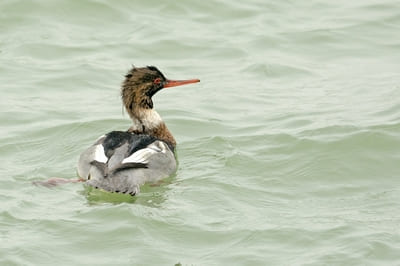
(122, 161)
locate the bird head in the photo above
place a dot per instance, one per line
(141, 83)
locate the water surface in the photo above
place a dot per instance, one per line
(289, 148)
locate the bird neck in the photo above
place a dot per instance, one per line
(148, 121)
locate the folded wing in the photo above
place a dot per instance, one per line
(122, 161)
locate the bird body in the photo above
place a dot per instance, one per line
(122, 161)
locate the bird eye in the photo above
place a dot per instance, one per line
(157, 81)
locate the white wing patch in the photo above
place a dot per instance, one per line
(143, 155)
(99, 154)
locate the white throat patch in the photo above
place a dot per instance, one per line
(147, 118)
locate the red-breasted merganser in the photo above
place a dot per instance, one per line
(122, 161)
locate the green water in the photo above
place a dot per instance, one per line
(289, 148)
